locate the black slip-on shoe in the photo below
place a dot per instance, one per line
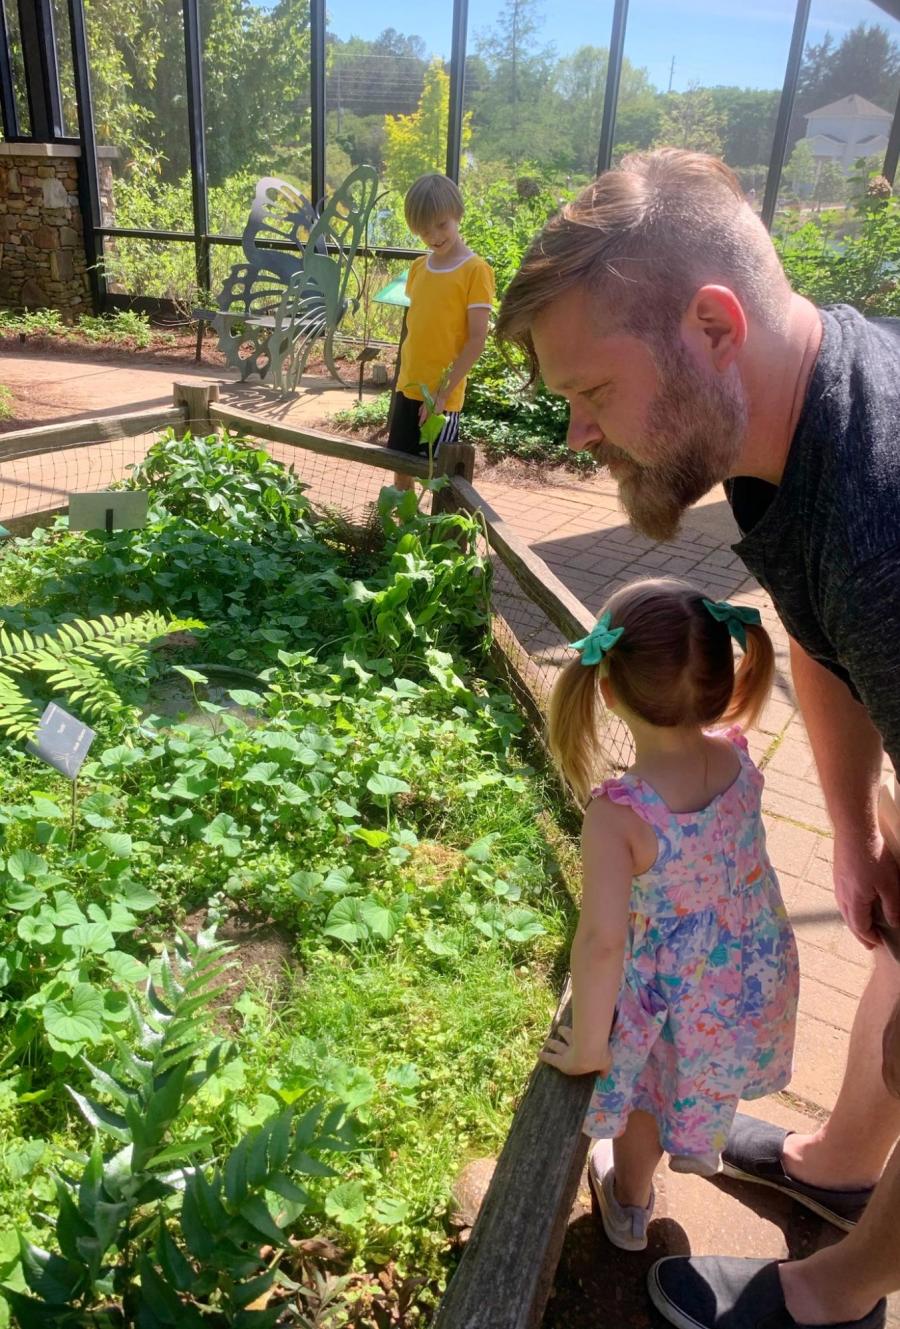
(753, 1153)
(711, 1292)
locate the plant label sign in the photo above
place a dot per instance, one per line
(108, 510)
(61, 741)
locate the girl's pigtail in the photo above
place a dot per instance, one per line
(753, 678)
(573, 725)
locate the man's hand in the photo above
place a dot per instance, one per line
(890, 1066)
(423, 413)
(565, 1054)
(864, 873)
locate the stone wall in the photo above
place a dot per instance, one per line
(42, 258)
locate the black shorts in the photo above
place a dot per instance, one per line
(405, 435)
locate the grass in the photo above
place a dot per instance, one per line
(6, 403)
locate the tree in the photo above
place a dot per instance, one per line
(747, 123)
(511, 120)
(690, 120)
(417, 143)
(800, 170)
(866, 62)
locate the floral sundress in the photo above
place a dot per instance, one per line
(707, 1008)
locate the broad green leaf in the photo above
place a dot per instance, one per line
(99, 810)
(94, 937)
(37, 930)
(390, 1210)
(191, 675)
(19, 896)
(480, 850)
(385, 786)
(224, 833)
(78, 1018)
(118, 844)
(243, 697)
(375, 838)
(381, 921)
(138, 898)
(126, 968)
(24, 865)
(346, 1204)
(262, 772)
(346, 922)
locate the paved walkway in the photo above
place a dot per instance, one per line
(578, 529)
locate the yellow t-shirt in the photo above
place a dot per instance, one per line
(437, 325)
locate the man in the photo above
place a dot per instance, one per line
(655, 303)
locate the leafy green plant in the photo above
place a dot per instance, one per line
(6, 402)
(71, 659)
(149, 1235)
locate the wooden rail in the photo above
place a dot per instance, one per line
(84, 433)
(314, 440)
(505, 1276)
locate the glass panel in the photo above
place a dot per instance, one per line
(137, 71)
(256, 103)
(706, 76)
(20, 92)
(387, 97)
(535, 83)
(535, 88)
(66, 67)
(165, 269)
(846, 98)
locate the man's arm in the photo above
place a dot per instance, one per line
(848, 752)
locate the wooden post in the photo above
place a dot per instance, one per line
(452, 459)
(195, 396)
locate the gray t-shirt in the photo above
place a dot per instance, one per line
(825, 542)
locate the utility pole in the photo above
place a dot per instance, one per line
(671, 73)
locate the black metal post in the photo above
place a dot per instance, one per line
(893, 147)
(317, 26)
(41, 70)
(611, 93)
(457, 86)
(785, 111)
(88, 173)
(10, 117)
(193, 68)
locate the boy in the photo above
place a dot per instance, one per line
(451, 291)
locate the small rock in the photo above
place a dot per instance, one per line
(469, 1190)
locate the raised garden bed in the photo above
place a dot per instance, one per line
(375, 813)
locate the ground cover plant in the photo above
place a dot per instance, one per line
(185, 1139)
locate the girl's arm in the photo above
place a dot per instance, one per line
(599, 947)
(478, 320)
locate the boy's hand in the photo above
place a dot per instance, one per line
(423, 413)
(440, 402)
(565, 1054)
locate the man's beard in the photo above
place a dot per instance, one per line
(695, 427)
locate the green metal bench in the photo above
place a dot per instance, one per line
(275, 306)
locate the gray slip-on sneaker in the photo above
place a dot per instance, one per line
(713, 1292)
(753, 1153)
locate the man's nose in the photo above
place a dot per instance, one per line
(583, 429)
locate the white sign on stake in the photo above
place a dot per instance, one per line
(108, 510)
(61, 741)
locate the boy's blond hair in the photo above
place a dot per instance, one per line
(430, 199)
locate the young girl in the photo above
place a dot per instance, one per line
(684, 966)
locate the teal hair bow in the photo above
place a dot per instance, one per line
(735, 617)
(599, 641)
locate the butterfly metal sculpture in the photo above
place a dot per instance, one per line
(275, 305)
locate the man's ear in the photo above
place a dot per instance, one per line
(715, 326)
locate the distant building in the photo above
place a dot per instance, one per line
(846, 130)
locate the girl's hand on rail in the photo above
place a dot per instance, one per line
(568, 1056)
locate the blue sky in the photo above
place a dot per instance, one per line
(713, 41)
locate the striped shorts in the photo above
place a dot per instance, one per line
(404, 434)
